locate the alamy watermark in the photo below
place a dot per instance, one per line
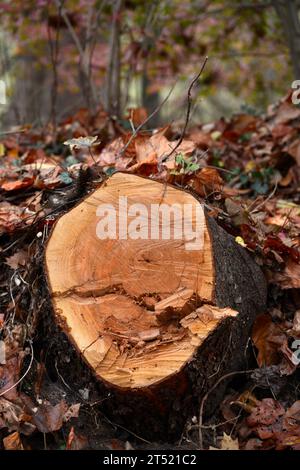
(152, 222)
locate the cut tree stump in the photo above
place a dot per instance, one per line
(157, 316)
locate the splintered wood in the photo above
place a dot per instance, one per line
(136, 308)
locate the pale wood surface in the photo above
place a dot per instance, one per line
(109, 295)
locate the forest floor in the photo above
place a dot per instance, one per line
(247, 172)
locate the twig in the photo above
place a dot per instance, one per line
(127, 430)
(13, 132)
(61, 377)
(189, 105)
(213, 426)
(203, 401)
(83, 64)
(250, 210)
(187, 118)
(156, 110)
(70, 27)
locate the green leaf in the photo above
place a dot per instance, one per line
(110, 171)
(260, 187)
(65, 178)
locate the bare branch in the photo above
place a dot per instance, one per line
(188, 111)
(137, 130)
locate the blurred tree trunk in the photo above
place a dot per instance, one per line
(113, 77)
(153, 27)
(150, 101)
(288, 12)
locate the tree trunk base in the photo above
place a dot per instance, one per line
(231, 294)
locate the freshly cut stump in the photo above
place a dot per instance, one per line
(141, 304)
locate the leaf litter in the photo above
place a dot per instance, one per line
(246, 170)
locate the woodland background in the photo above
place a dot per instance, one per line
(58, 56)
(101, 75)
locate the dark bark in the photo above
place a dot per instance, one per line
(150, 101)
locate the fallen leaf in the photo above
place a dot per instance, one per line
(207, 181)
(294, 150)
(267, 337)
(110, 155)
(72, 412)
(290, 277)
(9, 375)
(49, 418)
(137, 116)
(202, 139)
(155, 149)
(266, 413)
(82, 142)
(285, 113)
(18, 184)
(296, 322)
(20, 258)
(13, 418)
(227, 443)
(76, 441)
(13, 442)
(277, 429)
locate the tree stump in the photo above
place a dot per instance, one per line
(153, 294)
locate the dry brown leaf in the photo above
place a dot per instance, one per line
(286, 112)
(49, 418)
(76, 441)
(110, 154)
(296, 323)
(237, 212)
(13, 418)
(10, 216)
(294, 150)
(275, 427)
(18, 184)
(292, 417)
(247, 401)
(72, 412)
(206, 181)
(9, 375)
(227, 443)
(277, 219)
(137, 116)
(268, 337)
(202, 139)
(290, 277)
(13, 442)
(20, 258)
(266, 413)
(154, 149)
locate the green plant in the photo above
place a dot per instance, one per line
(185, 165)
